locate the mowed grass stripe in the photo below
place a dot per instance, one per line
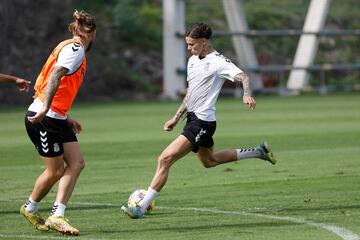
(314, 137)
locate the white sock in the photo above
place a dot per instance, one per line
(247, 153)
(31, 206)
(149, 197)
(58, 209)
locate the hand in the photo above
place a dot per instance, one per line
(75, 125)
(250, 101)
(22, 84)
(39, 116)
(169, 125)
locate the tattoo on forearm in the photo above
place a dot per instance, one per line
(53, 85)
(182, 109)
(245, 81)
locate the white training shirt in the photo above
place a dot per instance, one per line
(70, 57)
(205, 78)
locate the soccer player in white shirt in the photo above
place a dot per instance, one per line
(207, 70)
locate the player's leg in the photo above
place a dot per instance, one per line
(173, 152)
(74, 164)
(176, 150)
(54, 170)
(210, 159)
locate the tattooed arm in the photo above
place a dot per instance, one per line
(169, 125)
(51, 88)
(182, 109)
(245, 81)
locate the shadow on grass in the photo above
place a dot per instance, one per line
(180, 228)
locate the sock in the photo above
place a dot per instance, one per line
(247, 153)
(31, 206)
(150, 195)
(58, 210)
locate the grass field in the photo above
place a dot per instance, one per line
(312, 193)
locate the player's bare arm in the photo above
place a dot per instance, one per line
(245, 81)
(182, 109)
(169, 125)
(51, 88)
(22, 84)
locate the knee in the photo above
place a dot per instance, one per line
(78, 166)
(165, 161)
(55, 175)
(208, 162)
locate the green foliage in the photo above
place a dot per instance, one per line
(138, 23)
(142, 84)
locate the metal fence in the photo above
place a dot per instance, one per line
(282, 70)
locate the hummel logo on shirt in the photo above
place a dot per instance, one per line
(76, 47)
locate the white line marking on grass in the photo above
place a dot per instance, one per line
(341, 232)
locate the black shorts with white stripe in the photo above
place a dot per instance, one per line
(49, 135)
(199, 132)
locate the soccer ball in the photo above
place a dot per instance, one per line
(137, 196)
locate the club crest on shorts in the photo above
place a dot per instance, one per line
(56, 147)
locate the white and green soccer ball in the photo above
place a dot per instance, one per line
(137, 196)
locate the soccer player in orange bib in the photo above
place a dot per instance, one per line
(52, 131)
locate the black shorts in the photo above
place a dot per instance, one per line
(49, 135)
(199, 132)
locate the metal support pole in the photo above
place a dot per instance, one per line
(243, 46)
(173, 47)
(308, 44)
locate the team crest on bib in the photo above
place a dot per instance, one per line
(56, 147)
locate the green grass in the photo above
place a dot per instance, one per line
(315, 138)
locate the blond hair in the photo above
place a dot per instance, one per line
(84, 23)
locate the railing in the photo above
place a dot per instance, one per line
(285, 32)
(290, 32)
(281, 71)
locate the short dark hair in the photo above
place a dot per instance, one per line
(199, 30)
